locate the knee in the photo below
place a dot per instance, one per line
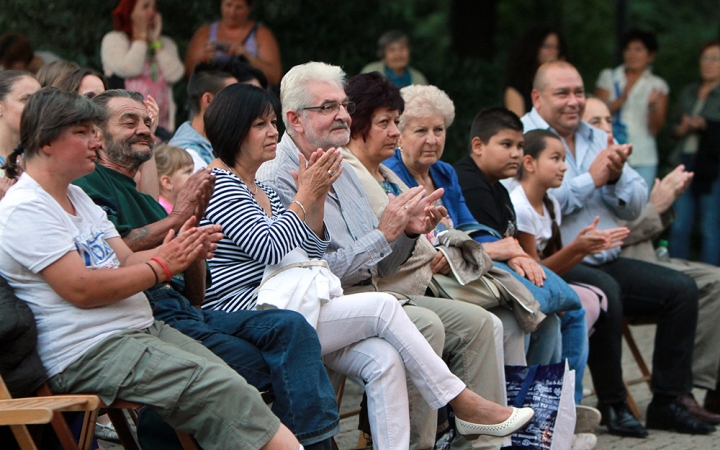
(429, 325)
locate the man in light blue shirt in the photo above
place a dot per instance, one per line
(599, 183)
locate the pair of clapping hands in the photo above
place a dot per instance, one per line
(192, 242)
(608, 164)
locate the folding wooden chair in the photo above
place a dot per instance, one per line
(364, 441)
(19, 412)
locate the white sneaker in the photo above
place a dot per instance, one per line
(584, 441)
(588, 418)
(106, 432)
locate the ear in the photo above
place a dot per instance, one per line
(477, 146)
(293, 119)
(166, 183)
(400, 142)
(535, 95)
(652, 56)
(205, 100)
(528, 163)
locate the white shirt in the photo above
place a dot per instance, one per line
(634, 113)
(35, 232)
(530, 222)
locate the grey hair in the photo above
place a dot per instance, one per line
(390, 37)
(294, 94)
(425, 101)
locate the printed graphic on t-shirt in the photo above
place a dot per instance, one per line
(95, 252)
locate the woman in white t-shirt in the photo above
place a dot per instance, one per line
(638, 100)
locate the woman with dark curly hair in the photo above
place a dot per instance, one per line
(535, 47)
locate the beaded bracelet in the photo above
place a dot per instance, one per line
(164, 266)
(157, 280)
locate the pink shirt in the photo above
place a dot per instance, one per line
(165, 204)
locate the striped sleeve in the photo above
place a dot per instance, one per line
(265, 240)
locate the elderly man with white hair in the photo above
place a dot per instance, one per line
(363, 248)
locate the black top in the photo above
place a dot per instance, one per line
(489, 204)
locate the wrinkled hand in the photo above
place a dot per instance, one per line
(440, 264)
(426, 215)
(398, 211)
(153, 111)
(193, 198)
(503, 249)
(5, 184)
(670, 188)
(526, 267)
(179, 252)
(315, 176)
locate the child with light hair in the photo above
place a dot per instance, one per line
(174, 166)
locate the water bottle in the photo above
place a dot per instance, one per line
(662, 252)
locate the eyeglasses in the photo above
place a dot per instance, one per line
(332, 107)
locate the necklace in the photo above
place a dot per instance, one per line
(238, 175)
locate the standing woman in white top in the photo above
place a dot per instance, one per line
(136, 52)
(638, 100)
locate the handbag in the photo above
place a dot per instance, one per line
(619, 128)
(548, 390)
(299, 284)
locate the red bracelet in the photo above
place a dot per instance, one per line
(164, 266)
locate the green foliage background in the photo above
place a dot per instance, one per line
(345, 32)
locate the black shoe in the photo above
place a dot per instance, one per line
(621, 421)
(675, 416)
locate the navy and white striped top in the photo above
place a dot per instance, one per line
(251, 241)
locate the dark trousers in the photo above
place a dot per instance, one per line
(638, 289)
(274, 349)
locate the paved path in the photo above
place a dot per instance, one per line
(347, 438)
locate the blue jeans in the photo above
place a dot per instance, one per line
(275, 349)
(575, 348)
(686, 208)
(573, 329)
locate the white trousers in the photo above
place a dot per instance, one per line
(369, 336)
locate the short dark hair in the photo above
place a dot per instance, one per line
(47, 113)
(648, 39)
(490, 121)
(71, 81)
(370, 92)
(210, 77)
(230, 115)
(104, 98)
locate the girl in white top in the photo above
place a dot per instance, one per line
(538, 217)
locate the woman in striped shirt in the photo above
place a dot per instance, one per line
(367, 335)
